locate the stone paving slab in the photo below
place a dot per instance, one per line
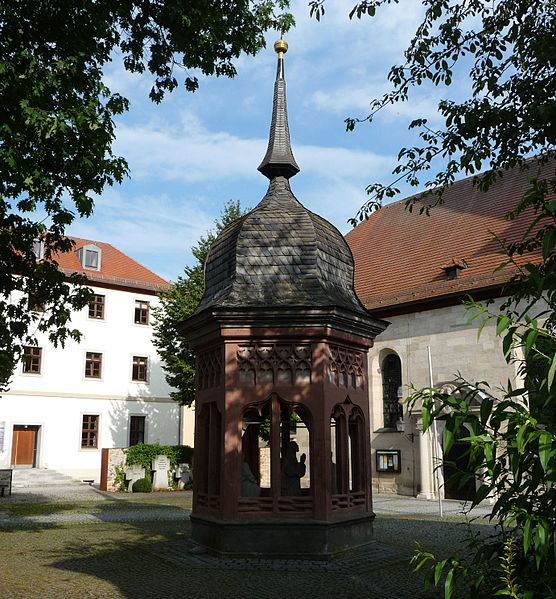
(74, 556)
(363, 572)
(382, 503)
(150, 554)
(153, 560)
(116, 515)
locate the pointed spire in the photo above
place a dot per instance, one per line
(279, 160)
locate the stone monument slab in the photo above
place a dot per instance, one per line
(184, 474)
(132, 473)
(161, 467)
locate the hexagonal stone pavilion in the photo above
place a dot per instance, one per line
(282, 439)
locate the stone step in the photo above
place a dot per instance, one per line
(39, 477)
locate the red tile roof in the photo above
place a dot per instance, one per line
(399, 255)
(116, 268)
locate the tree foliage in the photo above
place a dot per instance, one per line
(177, 304)
(57, 125)
(511, 442)
(506, 50)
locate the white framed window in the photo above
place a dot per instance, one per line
(90, 428)
(93, 365)
(140, 369)
(90, 256)
(32, 360)
(96, 307)
(142, 312)
(137, 429)
(38, 249)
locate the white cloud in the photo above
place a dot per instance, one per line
(187, 153)
(191, 153)
(156, 230)
(340, 164)
(354, 100)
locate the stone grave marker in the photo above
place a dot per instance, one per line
(184, 475)
(133, 473)
(161, 466)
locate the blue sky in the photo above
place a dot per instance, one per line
(193, 152)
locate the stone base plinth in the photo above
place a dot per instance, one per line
(282, 538)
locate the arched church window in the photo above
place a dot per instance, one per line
(295, 478)
(391, 382)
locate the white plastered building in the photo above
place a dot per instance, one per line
(65, 405)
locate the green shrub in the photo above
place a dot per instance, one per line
(144, 454)
(143, 485)
(119, 479)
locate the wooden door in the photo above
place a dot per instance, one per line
(23, 445)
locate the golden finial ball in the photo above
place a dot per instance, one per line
(280, 46)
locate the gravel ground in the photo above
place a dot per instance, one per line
(84, 543)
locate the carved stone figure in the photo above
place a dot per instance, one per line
(249, 486)
(292, 470)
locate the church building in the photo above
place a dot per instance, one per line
(415, 270)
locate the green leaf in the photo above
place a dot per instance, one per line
(548, 242)
(530, 341)
(448, 439)
(541, 541)
(481, 494)
(438, 571)
(507, 344)
(482, 326)
(426, 417)
(449, 585)
(552, 372)
(486, 409)
(521, 440)
(527, 533)
(502, 324)
(545, 449)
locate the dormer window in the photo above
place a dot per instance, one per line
(91, 259)
(452, 268)
(90, 256)
(38, 249)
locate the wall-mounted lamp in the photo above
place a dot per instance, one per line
(400, 427)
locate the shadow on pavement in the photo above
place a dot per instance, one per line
(160, 563)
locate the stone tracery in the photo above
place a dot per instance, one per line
(283, 364)
(345, 367)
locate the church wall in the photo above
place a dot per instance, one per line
(454, 349)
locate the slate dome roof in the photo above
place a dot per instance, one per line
(280, 254)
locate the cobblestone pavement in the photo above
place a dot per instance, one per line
(66, 544)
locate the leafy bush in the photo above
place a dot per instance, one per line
(144, 454)
(511, 441)
(143, 485)
(119, 479)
